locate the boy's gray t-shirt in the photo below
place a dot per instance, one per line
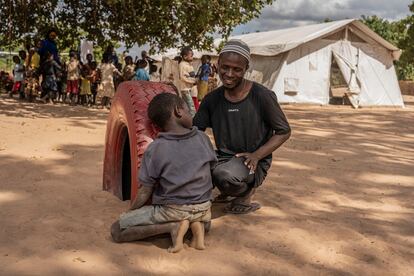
(178, 167)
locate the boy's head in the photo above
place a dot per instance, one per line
(16, 59)
(72, 54)
(187, 54)
(89, 58)
(153, 68)
(128, 60)
(142, 63)
(205, 59)
(22, 54)
(167, 108)
(94, 65)
(51, 34)
(105, 58)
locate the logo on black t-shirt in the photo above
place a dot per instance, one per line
(233, 110)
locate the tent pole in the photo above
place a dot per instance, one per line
(346, 33)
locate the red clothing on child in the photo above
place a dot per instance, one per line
(72, 86)
(16, 86)
(196, 103)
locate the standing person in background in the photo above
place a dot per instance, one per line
(94, 81)
(62, 84)
(107, 71)
(129, 69)
(50, 69)
(89, 59)
(111, 55)
(24, 61)
(18, 77)
(48, 45)
(141, 74)
(32, 78)
(85, 91)
(203, 74)
(150, 61)
(187, 78)
(34, 59)
(212, 81)
(72, 83)
(154, 75)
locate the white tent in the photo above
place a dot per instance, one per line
(296, 63)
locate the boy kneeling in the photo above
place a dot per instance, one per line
(176, 170)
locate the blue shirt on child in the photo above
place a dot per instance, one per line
(141, 74)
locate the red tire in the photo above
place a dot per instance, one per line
(128, 133)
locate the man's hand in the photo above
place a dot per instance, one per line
(250, 161)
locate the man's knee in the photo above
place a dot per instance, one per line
(228, 183)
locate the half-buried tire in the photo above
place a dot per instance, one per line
(128, 133)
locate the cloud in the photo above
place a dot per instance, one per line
(291, 13)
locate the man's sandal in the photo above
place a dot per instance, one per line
(241, 208)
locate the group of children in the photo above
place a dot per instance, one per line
(73, 82)
(194, 86)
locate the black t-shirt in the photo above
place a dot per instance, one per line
(242, 126)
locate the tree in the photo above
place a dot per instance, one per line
(398, 33)
(393, 32)
(406, 62)
(160, 23)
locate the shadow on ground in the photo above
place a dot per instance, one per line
(337, 201)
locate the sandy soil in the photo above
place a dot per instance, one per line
(338, 200)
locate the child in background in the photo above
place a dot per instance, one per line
(85, 91)
(203, 74)
(187, 78)
(154, 75)
(72, 83)
(178, 180)
(50, 69)
(94, 77)
(129, 69)
(32, 78)
(107, 71)
(18, 77)
(62, 94)
(141, 73)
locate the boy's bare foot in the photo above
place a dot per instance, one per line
(177, 236)
(197, 241)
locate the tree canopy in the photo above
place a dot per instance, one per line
(401, 34)
(160, 23)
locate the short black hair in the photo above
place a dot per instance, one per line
(161, 106)
(185, 51)
(142, 63)
(153, 68)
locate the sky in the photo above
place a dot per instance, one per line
(292, 13)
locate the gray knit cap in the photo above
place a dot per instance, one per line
(237, 46)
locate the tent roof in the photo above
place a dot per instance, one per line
(275, 42)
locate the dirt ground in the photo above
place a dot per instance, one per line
(338, 200)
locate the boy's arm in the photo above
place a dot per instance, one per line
(144, 194)
(184, 75)
(147, 179)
